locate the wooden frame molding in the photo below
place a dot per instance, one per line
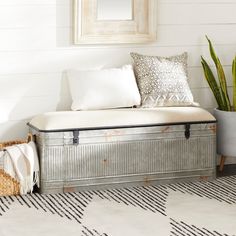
(89, 30)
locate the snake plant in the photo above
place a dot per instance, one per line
(219, 85)
(234, 83)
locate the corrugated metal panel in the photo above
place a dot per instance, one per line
(114, 159)
(52, 163)
(107, 157)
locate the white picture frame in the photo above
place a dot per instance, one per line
(89, 30)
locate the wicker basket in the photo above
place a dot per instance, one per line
(8, 185)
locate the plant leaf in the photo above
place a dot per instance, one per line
(210, 78)
(223, 84)
(234, 83)
(212, 51)
(221, 76)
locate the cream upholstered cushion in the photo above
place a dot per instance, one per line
(162, 81)
(119, 118)
(103, 89)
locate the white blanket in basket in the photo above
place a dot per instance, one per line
(21, 163)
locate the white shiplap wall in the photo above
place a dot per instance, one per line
(36, 49)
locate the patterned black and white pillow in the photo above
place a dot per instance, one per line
(163, 81)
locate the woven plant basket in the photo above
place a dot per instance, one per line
(8, 185)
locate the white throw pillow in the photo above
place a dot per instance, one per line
(103, 89)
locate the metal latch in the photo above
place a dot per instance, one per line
(187, 131)
(76, 137)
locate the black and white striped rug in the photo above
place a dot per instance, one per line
(183, 209)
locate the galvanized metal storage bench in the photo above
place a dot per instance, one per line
(109, 148)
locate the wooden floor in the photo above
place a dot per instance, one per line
(228, 170)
